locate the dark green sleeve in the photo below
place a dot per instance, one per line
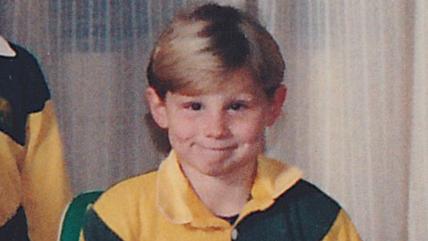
(23, 90)
(303, 213)
(95, 229)
(309, 212)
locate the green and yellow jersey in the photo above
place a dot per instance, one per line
(161, 206)
(34, 187)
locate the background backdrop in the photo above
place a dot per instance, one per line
(356, 118)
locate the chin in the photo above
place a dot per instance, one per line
(218, 168)
(215, 172)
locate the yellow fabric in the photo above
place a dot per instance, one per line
(164, 203)
(11, 154)
(34, 176)
(343, 229)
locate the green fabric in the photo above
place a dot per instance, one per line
(16, 228)
(74, 216)
(95, 229)
(303, 213)
(23, 90)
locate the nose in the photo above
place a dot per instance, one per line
(216, 126)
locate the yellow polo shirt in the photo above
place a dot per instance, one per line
(34, 187)
(162, 205)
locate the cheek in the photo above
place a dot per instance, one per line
(180, 130)
(250, 131)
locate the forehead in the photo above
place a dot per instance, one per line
(236, 81)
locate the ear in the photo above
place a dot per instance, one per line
(276, 104)
(157, 107)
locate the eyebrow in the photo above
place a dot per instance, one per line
(240, 95)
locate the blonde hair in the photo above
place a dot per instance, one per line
(202, 46)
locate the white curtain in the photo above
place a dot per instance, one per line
(356, 116)
(355, 119)
(93, 54)
(418, 181)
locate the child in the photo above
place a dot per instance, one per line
(34, 186)
(214, 85)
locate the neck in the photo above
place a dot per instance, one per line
(224, 195)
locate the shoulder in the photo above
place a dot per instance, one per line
(22, 57)
(306, 196)
(303, 212)
(117, 211)
(128, 191)
(23, 91)
(22, 53)
(304, 191)
(309, 208)
(22, 78)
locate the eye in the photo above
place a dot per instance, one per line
(237, 106)
(195, 106)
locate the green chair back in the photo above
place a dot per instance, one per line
(74, 215)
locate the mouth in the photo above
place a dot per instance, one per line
(219, 148)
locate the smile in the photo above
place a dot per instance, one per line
(219, 148)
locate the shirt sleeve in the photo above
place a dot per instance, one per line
(45, 183)
(44, 179)
(95, 229)
(343, 229)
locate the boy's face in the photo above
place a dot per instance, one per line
(218, 132)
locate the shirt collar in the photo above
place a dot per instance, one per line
(5, 48)
(180, 204)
